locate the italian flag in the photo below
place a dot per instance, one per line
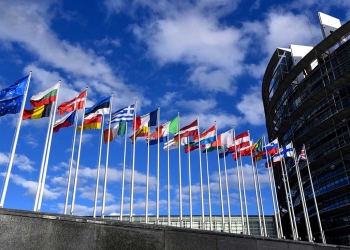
(45, 97)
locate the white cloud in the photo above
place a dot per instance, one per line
(28, 24)
(251, 107)
(20, 161)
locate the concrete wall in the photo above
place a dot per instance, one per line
(29, 230)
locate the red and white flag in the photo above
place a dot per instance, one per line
(241, 141)
(75, 104)
(189, 130)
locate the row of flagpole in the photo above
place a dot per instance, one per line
(226, 140)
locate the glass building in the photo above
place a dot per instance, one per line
(306, 96)
(236, 223)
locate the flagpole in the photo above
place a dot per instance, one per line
(200, 174)
(180, 181)
(227, 195)
(78, 160)
(315, 201)
(71, 159)
(220, 183)
(147, 178)
(107, 158)
(286, 192)
(208, 187)
(261, 201)
(157, 201)
(275, 194)
(98, 169)
(133, 168)
(291, 199)
(123, 175)
(14, 144)
(168, 182)
(43, 162)
(272, 193)
(238, 181)
(303, 202)
(48, 149)
(189, 180)
(255, 187)
(244, 193)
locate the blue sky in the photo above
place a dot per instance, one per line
(202, 58)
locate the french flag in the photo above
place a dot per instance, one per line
(65, 121)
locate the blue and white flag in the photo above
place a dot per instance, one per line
(287, 151)
(16, 89)
(11, 106)
(125, 114)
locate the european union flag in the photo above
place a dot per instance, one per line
(16, 89)
(11, 106)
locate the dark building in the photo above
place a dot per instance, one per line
(306, 96)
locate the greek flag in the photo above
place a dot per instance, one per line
(125, 114)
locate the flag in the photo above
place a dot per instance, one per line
(302, 155)
(142, 132)
(170, 127)
(65, 121)
(148, 120)
(125, 114)
(225, 139)
(287, 151)
(206, 137)
(172, 144)
(189, 130)
(101, 108)
(258, 146)
(75, 104)
(38, 112)
(246, 151)
(93, 122)
(118, 129)
(275, 159)
(45, 97)
(272, 147)
(209, 148)
(241, 141)
(15, 90)
(11, 106)
(259, 156)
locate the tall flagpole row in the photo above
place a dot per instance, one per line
(98, 169)
(14, 144)
(43, 163)
(71, 159)
(220, 182)
(239, 182)
(303, 202)
(133, 168)
(107, 159)
(272, 193)
(256, 188)
(315, 201)
(180, 181)
(78, 160)
(158, 182)
(244, 194)
(189, 181)
(48, 149)
(208, 187)
(227, 195)
(123, 174)
(200, 175)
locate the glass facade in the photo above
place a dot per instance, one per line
(315, 112)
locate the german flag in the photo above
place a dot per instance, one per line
(38, 112)
(93, 122)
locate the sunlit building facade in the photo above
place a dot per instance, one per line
(306, 96)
